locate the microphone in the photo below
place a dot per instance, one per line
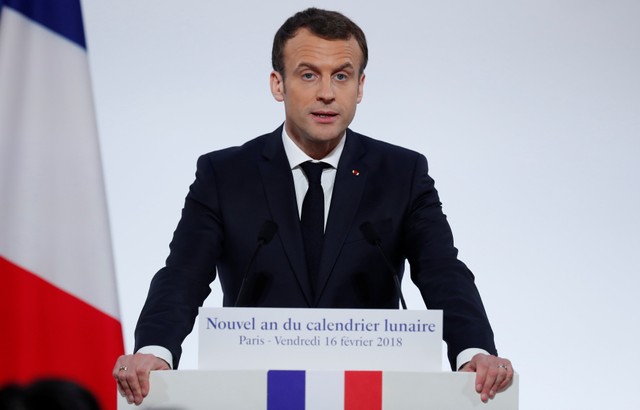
(266, 234)
(373, 238)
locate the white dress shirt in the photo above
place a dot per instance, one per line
(296, 157)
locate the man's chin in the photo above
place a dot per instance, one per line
(322, 133)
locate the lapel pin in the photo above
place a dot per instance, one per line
(355, 172)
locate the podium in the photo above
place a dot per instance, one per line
(247, 389)
(238, 346)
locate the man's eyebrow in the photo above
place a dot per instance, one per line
(346, 66)
(303, 66)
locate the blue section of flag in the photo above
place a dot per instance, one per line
(61, 16)
(285, 389)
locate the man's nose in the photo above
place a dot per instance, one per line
(325, 91)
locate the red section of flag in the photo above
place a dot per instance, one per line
(47, 332)
(362, 390)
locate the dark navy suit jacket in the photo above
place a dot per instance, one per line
(237, 189)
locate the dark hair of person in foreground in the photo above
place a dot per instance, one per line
(49, 394)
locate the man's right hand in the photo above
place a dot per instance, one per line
(132, 375)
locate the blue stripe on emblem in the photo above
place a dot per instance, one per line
(285, 389)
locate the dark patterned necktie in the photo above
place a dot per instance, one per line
(312, 219)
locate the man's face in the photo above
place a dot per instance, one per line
(320, 90)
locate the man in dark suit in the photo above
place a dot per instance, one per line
(319, 59)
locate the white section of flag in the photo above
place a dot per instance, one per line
(53, 214)
(324, 390)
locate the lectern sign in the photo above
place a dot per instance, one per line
(320, 339)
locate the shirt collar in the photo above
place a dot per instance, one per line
(297, 156)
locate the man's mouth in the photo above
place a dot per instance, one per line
(324, 114)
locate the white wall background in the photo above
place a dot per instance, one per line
(529, 112)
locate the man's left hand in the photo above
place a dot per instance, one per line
(493, 374)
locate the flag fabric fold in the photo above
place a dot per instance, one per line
(58, 305)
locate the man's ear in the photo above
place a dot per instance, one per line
(360, 88)
(277, 86)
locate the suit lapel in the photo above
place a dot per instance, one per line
(280, 192)
(350, 181)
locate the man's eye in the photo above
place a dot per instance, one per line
(341, 77)
(307, 76)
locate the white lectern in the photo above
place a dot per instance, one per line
(242, 390)
(342, 359)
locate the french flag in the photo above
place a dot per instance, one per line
(58, 307)
(324, 390)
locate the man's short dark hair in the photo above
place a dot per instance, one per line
(329, 25)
